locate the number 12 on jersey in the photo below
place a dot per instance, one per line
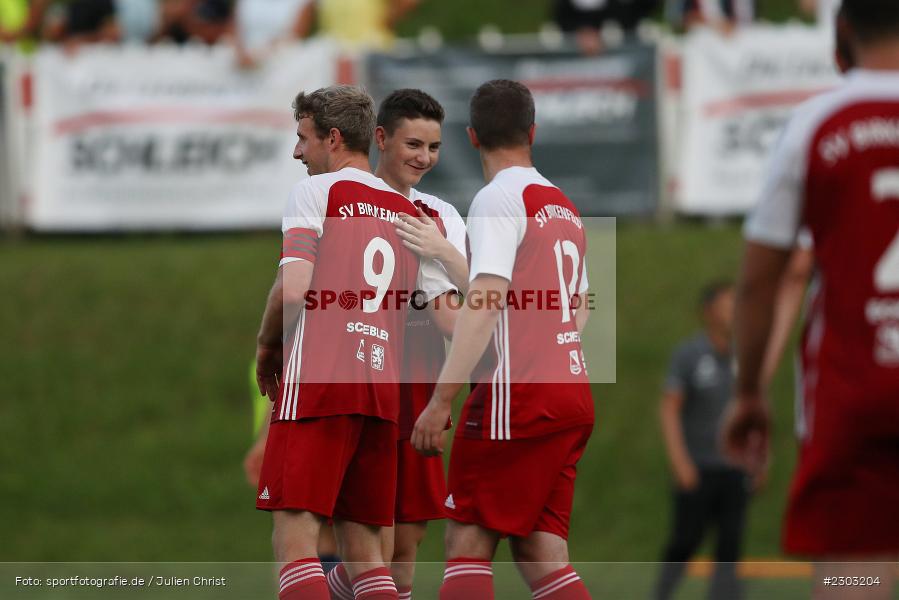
(563, 248)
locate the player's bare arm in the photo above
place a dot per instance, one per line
(444, 312)
(787, 308)
(746, 433)
(285, 300)
(422, 236)
(474, 328)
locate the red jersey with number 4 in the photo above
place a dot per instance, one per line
(344, 354)
(532, 379)
(837, 171)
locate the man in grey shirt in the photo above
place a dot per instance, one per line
(708, 491)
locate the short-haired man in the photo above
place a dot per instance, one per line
(836, 171)
(530, 413)
(408, 137)
(331, 448)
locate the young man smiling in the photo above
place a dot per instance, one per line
(408, 136)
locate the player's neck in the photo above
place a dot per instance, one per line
(494, 161)
(355, 160)
(883, 56)
(392, 181)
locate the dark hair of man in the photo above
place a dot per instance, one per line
(872, 20)
(408, 104)
(712, 290)
(502, 113)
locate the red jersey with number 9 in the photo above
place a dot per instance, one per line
(532, 379)
(344, 353)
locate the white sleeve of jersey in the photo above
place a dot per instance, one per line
(433, 279)
(306, 208)
(775, 220)
(496, 226)
(455, 228)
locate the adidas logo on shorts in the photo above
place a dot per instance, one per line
(264, 495)
(449, 502)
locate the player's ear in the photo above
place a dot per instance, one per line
(532, 133)
(473, 137)
(380, 137)
(335, 138)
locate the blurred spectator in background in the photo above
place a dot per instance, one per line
(362, 24)
(77, 22)
(708, 491)
(825, 11)
(586, 19)
(199, 20)
(261, 25)
(722, 15)
(138, 20)
(21, 19)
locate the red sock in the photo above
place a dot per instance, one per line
(339, 584)
(563, 584)
(467, 579)
(405, 593)
(303, 579)
(376, 584)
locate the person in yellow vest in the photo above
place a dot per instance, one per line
(21, 19)
(362, 24)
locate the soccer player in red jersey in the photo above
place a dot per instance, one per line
(527, 420)
(836, 171)
(336, 302)
(408, 137)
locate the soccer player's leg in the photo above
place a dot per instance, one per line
(420, 495)
(339, 581)
(364, 506)
(407, 538)
(542, 555)
(542, 560)
(293, 457)
(295, 541)
(469, 552)
(302, 472)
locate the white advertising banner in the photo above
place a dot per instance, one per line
(738, 92)
(167, 138)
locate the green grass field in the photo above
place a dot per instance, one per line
(125, 409)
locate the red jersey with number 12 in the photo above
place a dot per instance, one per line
(532, 379)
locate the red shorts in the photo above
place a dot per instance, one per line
(517, 486)
(420, 485)
(845, 492)
(341, 467)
